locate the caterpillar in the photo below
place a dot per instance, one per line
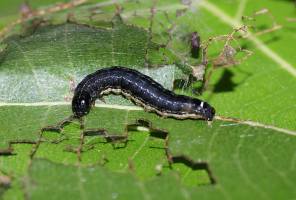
(142, 89)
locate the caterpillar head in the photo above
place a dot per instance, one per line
(81, 104)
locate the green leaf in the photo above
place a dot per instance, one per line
(246, 158)
(242, 158)
(95, 183)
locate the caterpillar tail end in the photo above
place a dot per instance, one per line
(209, 115)
(209, 123)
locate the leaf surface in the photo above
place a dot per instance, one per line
(245, 160)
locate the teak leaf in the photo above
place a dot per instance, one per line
(45, 154)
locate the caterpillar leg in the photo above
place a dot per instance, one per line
(102, 99)
(92, 106)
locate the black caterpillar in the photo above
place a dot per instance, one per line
(142, 89)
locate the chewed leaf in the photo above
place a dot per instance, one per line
(226, 57)
(233, 151)
(253, 157)
(199, 71)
